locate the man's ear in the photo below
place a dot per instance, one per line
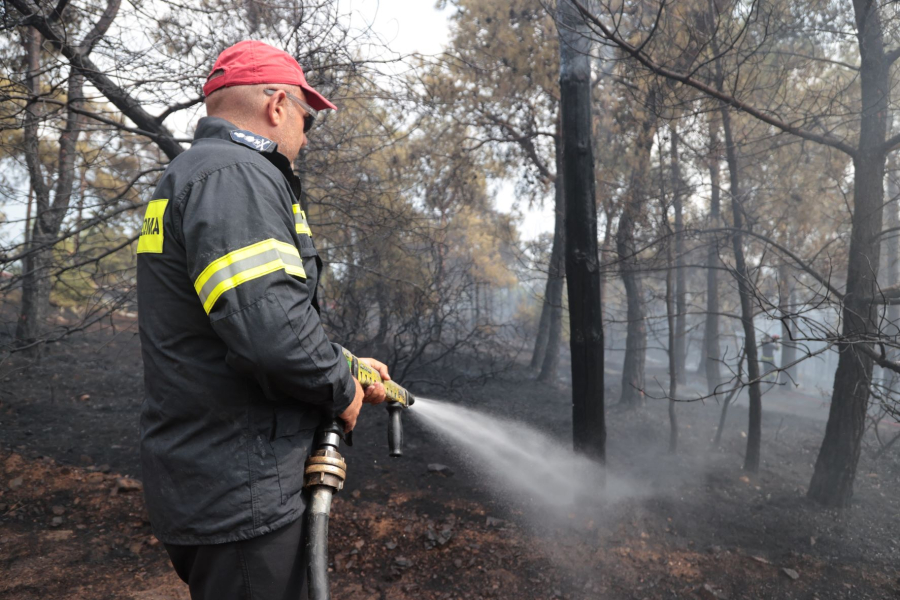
(276, 108)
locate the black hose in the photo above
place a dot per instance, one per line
(317, 543)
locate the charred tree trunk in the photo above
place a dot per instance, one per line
(717, 441)
(671, 320)
(33, 313)
(36, 286)
(543, 330)
(556, 279)
(606, 250)
(582, 260)
(626, 248)
(892, 266)
(48, 216)
(383, 302)
(28, 216)
(745, 291)
(636, 330)
(785, 306)
(711, 330)
(832, 480)
(680, 284)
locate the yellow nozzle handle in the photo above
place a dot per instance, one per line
(367, 376)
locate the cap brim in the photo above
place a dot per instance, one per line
(317, 100)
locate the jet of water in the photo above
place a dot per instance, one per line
(529, 464)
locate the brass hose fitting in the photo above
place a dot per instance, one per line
(323, 476)
(325, 467)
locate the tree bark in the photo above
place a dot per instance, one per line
(832, 480)
(48, 216)
(717, 441)
(31, 315)
(788, 375)
(626, 247)
(892, 266)
(745, 291)
(543, 330)
(606, 251)
(711, 330)
(680, 284)
(38, 263)
(556, 278)
(673, 337)
(582, 260)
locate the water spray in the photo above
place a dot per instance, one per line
(539, 470)
(326, 470)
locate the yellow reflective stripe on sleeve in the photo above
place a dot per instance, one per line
(300, 221)
(152, 231)
(245, 264)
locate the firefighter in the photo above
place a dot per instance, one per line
(237, 368)
(769, 344)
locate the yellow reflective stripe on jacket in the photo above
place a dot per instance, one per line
(242, 265)
(300, 221)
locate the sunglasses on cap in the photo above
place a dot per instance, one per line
(309, 119)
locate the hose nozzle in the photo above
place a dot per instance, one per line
(398, 398)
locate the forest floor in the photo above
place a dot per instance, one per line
(72, 523)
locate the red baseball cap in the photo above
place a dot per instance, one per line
(251, 62)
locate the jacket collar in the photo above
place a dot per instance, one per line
(218, 128)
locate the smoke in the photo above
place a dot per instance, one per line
(529, 468)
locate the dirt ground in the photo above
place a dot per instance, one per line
(72, 523)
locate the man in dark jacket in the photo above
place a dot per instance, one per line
(238, 370)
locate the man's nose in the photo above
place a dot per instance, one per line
(304, 142)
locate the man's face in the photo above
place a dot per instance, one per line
(293, 138)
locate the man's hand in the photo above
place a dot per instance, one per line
(375, 393)
(350, 415)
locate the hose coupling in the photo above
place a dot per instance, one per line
(325, 467)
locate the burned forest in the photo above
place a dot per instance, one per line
(628, 272)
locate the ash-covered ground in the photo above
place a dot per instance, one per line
(690, 525)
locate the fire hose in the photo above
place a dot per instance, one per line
(326, 471)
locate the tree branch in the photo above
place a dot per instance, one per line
(100, 27)
(685, 79)
(95, 117)
(891, 144)
(106, 86)
(892, 56)
(176, 107)
(799, 261)
(58, 11)
(879, 357)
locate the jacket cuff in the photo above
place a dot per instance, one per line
(345, 388)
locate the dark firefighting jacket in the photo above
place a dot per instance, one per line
(237, 368)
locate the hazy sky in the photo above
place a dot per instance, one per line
(406, 25)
